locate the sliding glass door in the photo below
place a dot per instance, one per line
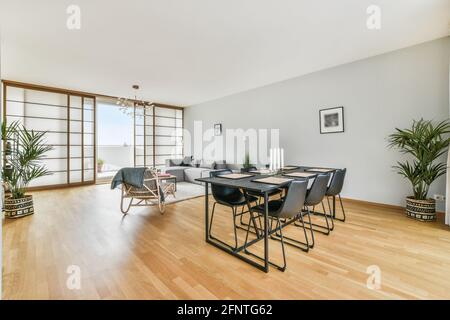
(115, 129)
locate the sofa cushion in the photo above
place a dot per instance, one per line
(187, 161)
(174, 162)
(207, 164)
(220, 165)
(176, 171)
(191, 174)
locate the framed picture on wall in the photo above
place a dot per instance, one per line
(218, 129)
(331, 120)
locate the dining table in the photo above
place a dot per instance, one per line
(250, 183)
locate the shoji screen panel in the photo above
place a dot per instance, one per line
(143, 136)
(88, 152)
(168, 129)
(60, 115)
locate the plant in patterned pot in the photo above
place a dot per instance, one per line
(425, 142)
(22, 164)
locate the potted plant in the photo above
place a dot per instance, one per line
(100, 164)
(24, 161)
(425, 143)
(247, 165)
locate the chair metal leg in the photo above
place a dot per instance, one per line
(331, 216)
(304, 246)
(282, 245)
(281, 268)
(320, 228)
(343, 211)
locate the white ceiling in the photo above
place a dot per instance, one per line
(189, 51)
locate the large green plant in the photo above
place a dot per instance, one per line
(25, 160)
(425, 141)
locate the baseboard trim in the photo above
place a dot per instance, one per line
(380, 205)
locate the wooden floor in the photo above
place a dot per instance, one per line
(146, 255)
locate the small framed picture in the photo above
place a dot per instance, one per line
(218, 129)
(331, 120)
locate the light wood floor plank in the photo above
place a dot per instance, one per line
(146, 255)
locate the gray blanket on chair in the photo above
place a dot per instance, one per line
(132, 176)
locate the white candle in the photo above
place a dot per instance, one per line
(282, 158)
(277, 161)
(271, 158)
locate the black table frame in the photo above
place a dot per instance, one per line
(247, 184)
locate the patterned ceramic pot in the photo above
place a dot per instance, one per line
(16, 208)
(423, 210)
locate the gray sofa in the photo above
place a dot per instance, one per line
(187, 171)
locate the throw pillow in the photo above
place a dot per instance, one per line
(187, 161)
(220, 165)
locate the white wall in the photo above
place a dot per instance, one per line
(378, 94)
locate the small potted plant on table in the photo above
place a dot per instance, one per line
(100, 163)
(425, 142)
(21, 166)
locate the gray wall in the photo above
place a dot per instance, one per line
(378, 94)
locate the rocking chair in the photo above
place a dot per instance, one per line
(153, 192)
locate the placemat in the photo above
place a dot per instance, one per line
(300, 174)
(261, 171)
(235, 176)
(272, 180)
(320, 170)
(289, 168)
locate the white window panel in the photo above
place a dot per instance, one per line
(55, 164)
(88, 151)
(149, 149)
(45, 97)
(139, 150)
(88, 163)
(165, 131)
(75, 126)
(139, 161)
(75, 151)
(149, 160)
(168, 122)
(165, 112)
(88, 126)
(161, 160)
(53, 179)
(89, 175)
(45, 124)
(166, 150)
(75, 102)
(75, 176)
(75, 164)
(75, 139)
(57, 152)
(16, 94)
(55, 138)
(75, 114)
(139, 130)
(88, 115)
(89, 139)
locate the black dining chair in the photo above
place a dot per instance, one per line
(315, 197)
(283, 212)
(257, 195)
(334, 190)
(229, 197)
